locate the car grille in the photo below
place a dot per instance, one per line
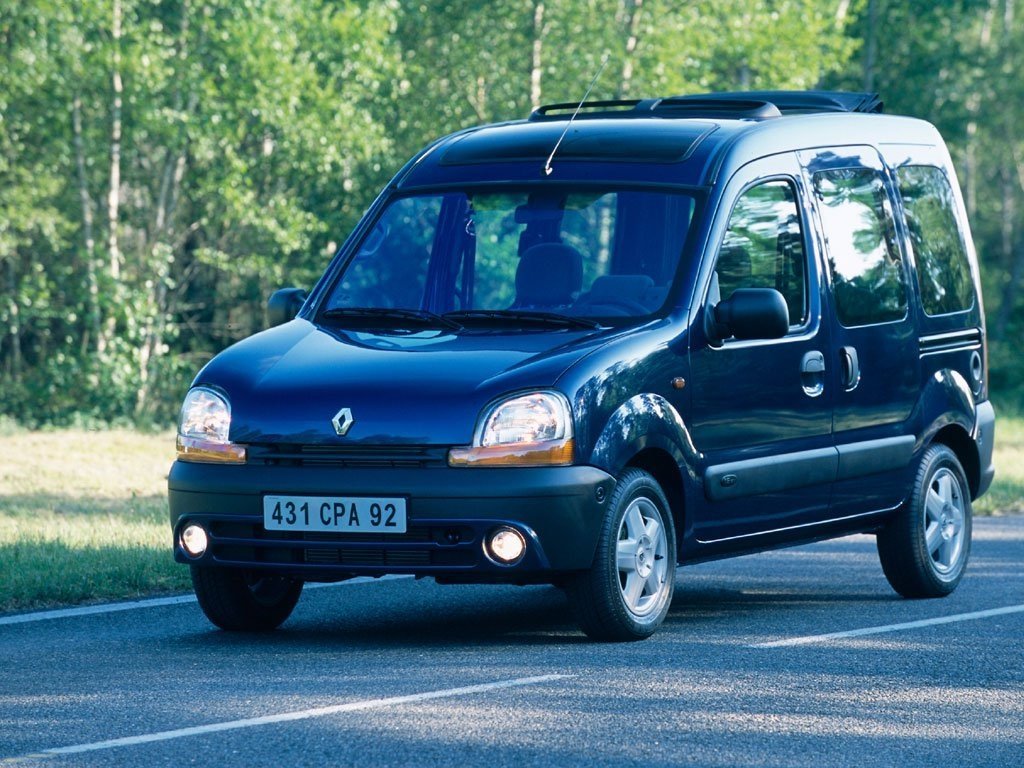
(356, 457)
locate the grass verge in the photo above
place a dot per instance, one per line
(1006, 496)
(83, 515)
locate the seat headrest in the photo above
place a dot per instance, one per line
(549, 275)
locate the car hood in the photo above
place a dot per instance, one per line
(285, 385)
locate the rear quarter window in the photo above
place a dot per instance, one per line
(943, 271)
(860, 236)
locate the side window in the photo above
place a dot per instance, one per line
(764, 247)
(867, 271)
(943, 272)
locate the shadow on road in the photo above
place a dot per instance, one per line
(425, 615)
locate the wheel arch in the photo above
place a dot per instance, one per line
(647, 432)
(958, 440)
(660, 464)
(948, 407)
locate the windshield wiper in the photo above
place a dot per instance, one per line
(418, 316)
(522, 315)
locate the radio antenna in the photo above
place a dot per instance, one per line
(547, 165)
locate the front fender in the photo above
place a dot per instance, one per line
(644, 421)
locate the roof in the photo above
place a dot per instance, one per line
(679, 140)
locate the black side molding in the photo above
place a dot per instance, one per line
(753, 477)
(872, 456)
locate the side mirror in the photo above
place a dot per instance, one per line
(752, 313)
(284, 305)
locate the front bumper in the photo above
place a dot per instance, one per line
(450, 510)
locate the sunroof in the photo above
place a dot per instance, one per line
(646, 141)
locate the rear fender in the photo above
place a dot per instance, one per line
(946, 400)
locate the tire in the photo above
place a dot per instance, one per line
(244, 601)
(925, 547)
(627, 592)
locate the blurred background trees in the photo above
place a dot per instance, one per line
(166, 164)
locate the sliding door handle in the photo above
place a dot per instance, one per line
(851, 368)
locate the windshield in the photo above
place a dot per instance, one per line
(476, 256)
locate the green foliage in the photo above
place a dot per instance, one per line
(955, 64)
(248, 144)
(255, 132)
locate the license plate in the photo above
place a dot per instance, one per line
(334, 514)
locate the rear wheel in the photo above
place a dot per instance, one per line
(241, 600)
(627, 591)
(925, 547)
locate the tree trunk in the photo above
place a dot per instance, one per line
(92, 332)
(1012, 179)
(163, 243)
(871, 46)
(632, 35)
(536, 63)
(1013, 258)
(114, 194)
(14, 323)
(842, 10)
(973, 111)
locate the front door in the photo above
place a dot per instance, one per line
(761, 411)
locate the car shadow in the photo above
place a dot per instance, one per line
(482, 616)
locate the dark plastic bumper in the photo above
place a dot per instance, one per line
(450, 511)
(985, 439)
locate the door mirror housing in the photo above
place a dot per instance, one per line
(752, 313)
(284, 305)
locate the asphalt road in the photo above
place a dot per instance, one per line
(400, 672)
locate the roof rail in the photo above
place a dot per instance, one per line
(734, 105)
(798, 101)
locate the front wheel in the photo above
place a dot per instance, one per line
(627, 591)
(246, 601)
(924, 548)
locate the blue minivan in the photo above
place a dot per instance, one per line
(589, 346)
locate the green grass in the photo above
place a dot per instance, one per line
(1006, 495)
(83, 515)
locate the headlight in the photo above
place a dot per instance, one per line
(203, 429)
(529, 430)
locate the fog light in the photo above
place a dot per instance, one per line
(506, 546)
(194, 540)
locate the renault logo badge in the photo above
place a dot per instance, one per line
(343, 421)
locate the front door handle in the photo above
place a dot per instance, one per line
(851, 368)
(812, 373)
